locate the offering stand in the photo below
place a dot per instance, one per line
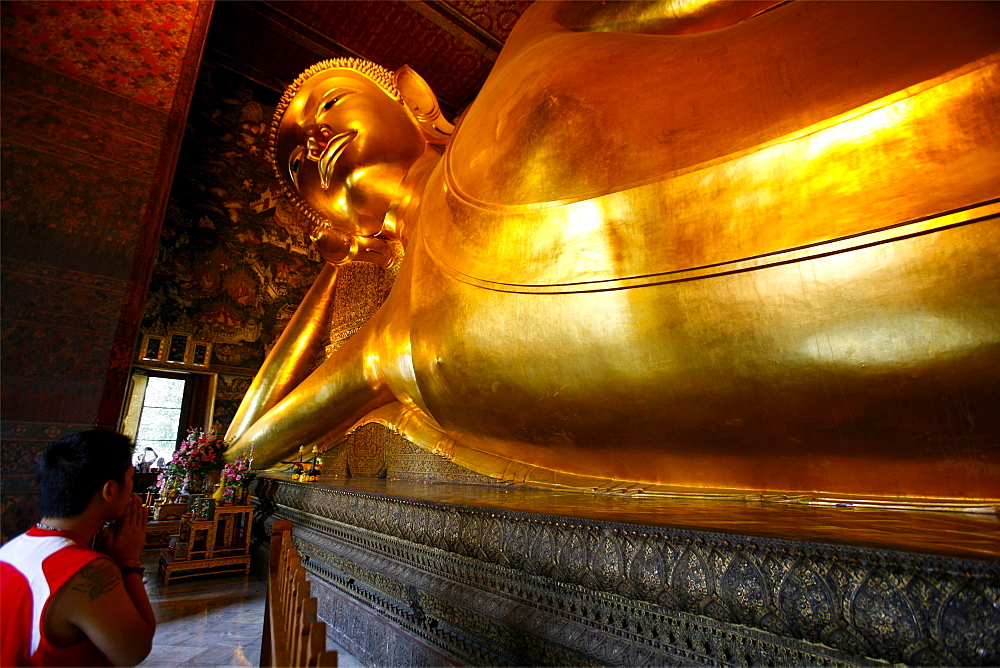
(218, 542)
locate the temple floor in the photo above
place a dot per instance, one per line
(209, 621)
(973, 535)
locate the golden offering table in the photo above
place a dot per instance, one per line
(218, 543)
(189, 568)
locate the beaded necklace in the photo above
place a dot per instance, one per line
(46, 527)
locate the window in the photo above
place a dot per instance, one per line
(160, 408)
(160, 419)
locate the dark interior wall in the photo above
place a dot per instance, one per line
(95, 95)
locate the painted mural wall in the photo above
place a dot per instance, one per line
(234, 259)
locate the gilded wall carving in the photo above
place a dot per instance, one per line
(578, 592)
(375, 451)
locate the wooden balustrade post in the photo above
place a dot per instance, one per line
(279, 530)
(292, 636)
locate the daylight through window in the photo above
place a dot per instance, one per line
(159, 422)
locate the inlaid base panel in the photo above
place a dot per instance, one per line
(404, 580)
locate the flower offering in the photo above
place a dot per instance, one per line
(237, 474)
(194, 458)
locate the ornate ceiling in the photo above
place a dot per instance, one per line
(451, 43)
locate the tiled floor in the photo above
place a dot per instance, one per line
(210, 621)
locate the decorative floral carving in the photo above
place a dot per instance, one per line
(970, 625)
(744, 589)
(883, 613)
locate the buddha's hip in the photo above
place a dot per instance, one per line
(883, 351)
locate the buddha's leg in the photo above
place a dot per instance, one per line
(335, 396)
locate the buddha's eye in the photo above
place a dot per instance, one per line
(337, 97)
(332, 101)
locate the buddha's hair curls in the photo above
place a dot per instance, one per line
(374, 71)
(382, 77)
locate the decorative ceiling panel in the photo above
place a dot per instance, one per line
(133, 49)
(496, 17)
(394, 34)
(451, 44)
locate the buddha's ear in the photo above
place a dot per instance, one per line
(423, 104)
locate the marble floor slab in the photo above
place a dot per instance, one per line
(210, 621)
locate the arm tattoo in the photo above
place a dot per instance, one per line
(96, 578)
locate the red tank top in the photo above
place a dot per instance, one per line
(33, 566)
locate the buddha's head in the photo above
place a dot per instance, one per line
(344, 136)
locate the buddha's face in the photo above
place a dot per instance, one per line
(346, 145)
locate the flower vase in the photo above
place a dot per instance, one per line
(220, 495)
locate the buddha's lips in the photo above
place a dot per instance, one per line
(330, 154)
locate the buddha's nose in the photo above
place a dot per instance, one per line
(317, 137)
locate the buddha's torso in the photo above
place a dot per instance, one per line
(690, 261)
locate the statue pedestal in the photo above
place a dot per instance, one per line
(407, 572)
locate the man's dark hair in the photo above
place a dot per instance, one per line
(72, 469)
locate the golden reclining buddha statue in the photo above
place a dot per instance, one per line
(734, 249)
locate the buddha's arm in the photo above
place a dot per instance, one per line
(293, 356)
(340, 392)
(663, 17)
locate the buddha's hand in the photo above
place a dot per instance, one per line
(334, 246)
(338, 247)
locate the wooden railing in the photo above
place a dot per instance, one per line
(292, 634)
